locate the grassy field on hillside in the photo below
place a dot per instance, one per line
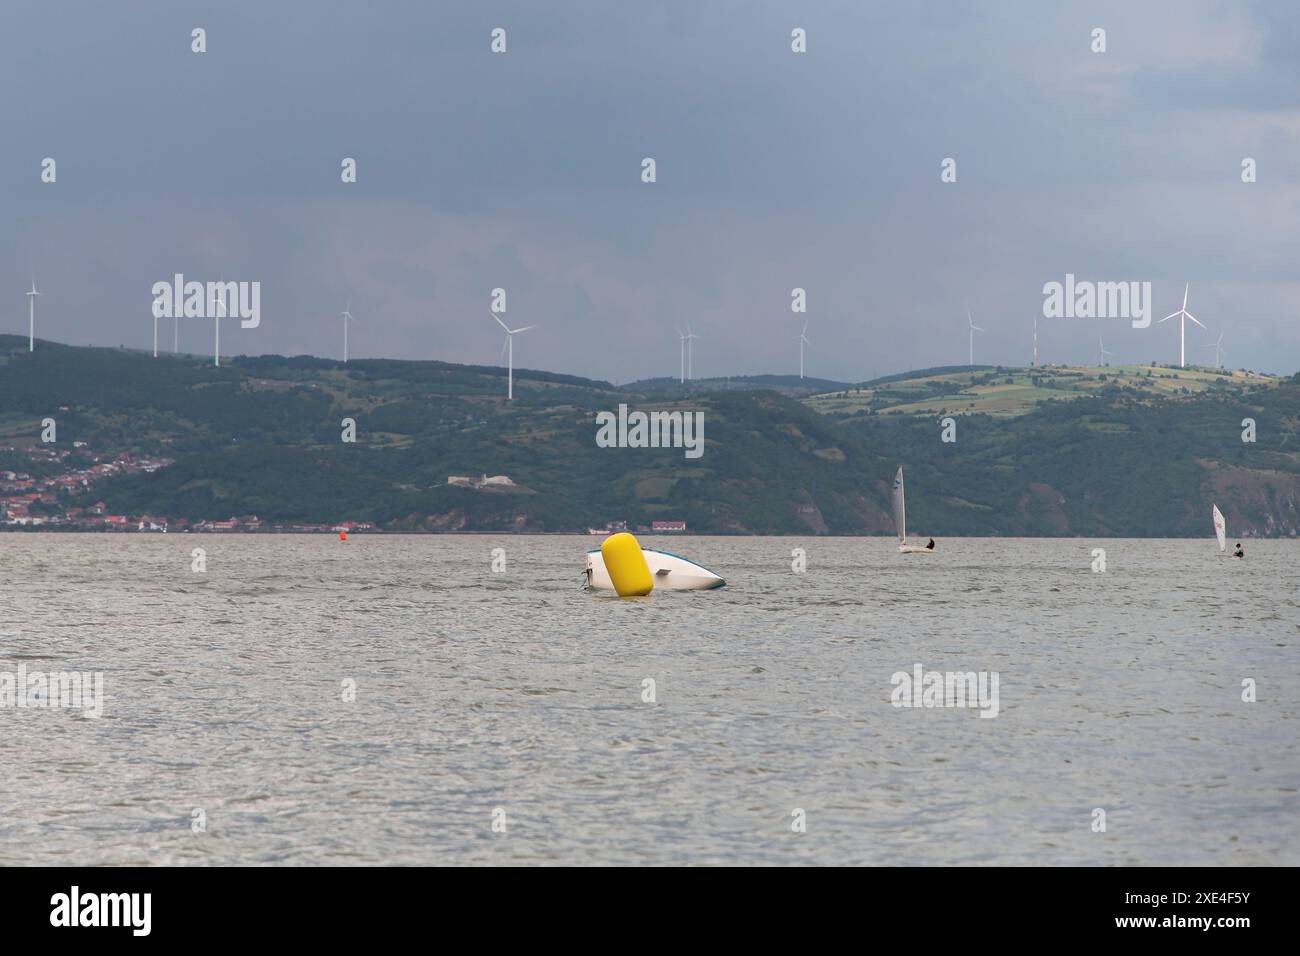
(1009, 392)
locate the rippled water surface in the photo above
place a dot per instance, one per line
(478, 690)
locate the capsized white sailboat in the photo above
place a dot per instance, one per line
(671, 572)
(900, 519)
(1221, 532)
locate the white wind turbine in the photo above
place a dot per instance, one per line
(31, 326)
(1101, 359)
(973, 329)
(682, 339)
(347, 317)
(509, 349)
(1034, 361)
(690, 351)
(1218, 351)
(213, 300)
(803, 340)
(155, 333)
(1182, 315)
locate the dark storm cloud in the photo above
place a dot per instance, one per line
(775, 170)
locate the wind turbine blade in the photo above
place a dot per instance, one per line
(504, 345)
(805, 327)
(1185, 288)
(1194, 319)
(1171, 315)
(498, 320)
(524, 329)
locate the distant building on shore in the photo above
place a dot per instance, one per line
(353, 526)
(668, 526)
(483, 481)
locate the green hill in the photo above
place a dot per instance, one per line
(1130, 454)
(791, 385)
(263, 436)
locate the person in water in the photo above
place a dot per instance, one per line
(1238, 553)
(930, 546)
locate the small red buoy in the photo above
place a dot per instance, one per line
(343, 536)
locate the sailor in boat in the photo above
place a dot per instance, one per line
(1238, 553)
(930, 546)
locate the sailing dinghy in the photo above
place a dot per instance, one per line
(900, 519)
(671, 572)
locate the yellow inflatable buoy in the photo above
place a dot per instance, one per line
(626, 565)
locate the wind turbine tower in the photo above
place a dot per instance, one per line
(1218, 351)
(803, 340)
(347, 317)
(690, 351)
(217, 315)
(973, 329)
(1182, 315)
(31, 321)
(510, 352)
(1101, 359)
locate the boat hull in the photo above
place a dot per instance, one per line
(670, 572)
(914, 549)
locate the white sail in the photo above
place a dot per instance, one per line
(1220, 528)
(900, 507)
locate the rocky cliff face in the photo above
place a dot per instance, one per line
(1257, 502)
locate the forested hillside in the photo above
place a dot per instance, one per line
(263, 436)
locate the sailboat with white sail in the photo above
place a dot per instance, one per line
(1221, 532)
(900, 519)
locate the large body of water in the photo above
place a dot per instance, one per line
(478, 690)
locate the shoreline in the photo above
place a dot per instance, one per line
(647, 534)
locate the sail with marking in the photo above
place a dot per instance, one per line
(1220, 528)
(900, 507)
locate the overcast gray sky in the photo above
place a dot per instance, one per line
(775, 170)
